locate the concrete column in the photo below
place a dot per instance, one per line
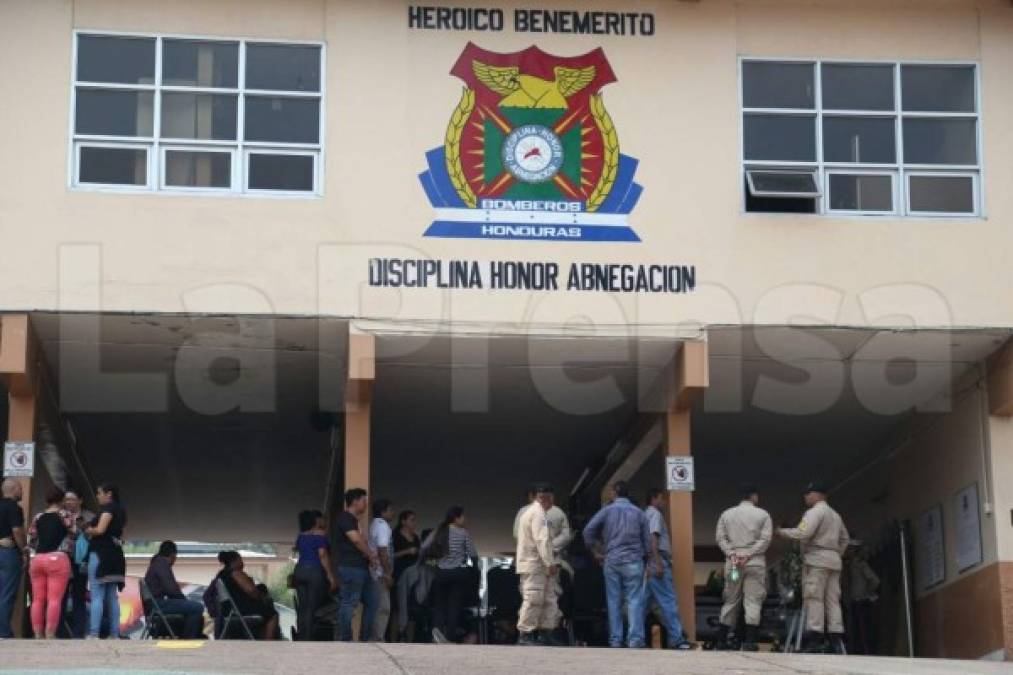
(358, 409)
(18, 371)
(691, 377)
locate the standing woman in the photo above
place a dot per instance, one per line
(453, 549)
(313, 577)
(406, 543)
(78, 587)
(107, 568)
(49, 537)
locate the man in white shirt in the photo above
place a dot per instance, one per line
(382, 570)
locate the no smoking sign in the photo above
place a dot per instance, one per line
(679, 473)
(19, 460)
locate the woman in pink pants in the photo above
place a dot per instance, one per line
(50, 567)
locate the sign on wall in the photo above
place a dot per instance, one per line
(531, 152)
(19, 460)
(679, 473)
(967, 527)
(930, 556)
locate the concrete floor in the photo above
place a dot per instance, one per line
(76, 657)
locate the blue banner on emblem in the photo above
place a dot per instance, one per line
(464, 230)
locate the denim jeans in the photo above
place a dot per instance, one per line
(103, 597)
(10, 577)
(625, 582)
(193, 615)
(662, 591)
(355, 588)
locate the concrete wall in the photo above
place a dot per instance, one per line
(388, 98)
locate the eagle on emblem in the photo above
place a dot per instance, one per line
(527, 91)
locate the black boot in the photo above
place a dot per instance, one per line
(721, 644)
(837, 645)
(528, 640)
(548, 638)
(749, 641)
(813, 643)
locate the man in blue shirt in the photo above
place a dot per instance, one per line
(623, 531)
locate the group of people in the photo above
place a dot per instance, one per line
(67, 551)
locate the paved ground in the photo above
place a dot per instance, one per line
(143, 658)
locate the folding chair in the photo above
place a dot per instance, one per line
(156, 622)
(228, 611)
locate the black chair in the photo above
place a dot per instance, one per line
(157, 624)
(228, 612)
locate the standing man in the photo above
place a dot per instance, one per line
(743, 534)
(382, 570)
(622, 528)
(354, 558)
(538, 569)
(660, 587)
(13, 550)
(162, 584)
(824, 539)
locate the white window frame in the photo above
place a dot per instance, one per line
(156, 144)
(975, 192)
(166, 147)
(271, 151)
(894, 191)
(902, 170)
(780, 193)
(76, 153)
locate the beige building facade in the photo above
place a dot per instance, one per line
(500, 239)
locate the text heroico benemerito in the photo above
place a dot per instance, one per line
(533, 276)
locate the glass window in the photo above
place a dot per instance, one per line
(783, 183)
(201, 116)
(119, 60)
(293, 173)
(857, 86)
(113, 112)
(282, 67)
(940, 141)
(859, 139)
(938, 88)
(198, 169)
(282, 119)
(768, 84)
(113, 166)
(942, 194)
(192, 63)
(780, 138)
(860, 192)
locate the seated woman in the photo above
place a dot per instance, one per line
(250, 599)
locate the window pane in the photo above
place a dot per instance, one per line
(857, 87)
(756, 204)
(203, 116)
(861, 193)
(938, 88)
(188, 63)
(783, 181)
(942, 194)
(777, 85)
(281, 172)
(283, 67)
(122, 60)
(780, 137)
(940, 141)
(282, 120)
(113, 166)
(184, 168)
(859, 139)
(113, 113)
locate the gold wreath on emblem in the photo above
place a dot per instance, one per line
(526, 91)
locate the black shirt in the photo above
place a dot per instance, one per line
(348, 554)
(400, 544)
(51, 532)
(10, 517)
(116, 525)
